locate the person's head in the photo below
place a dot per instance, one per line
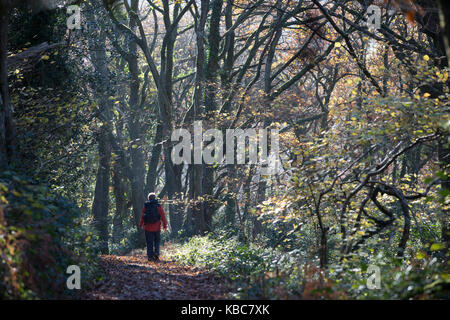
(151, 196)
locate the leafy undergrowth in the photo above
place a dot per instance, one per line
(255, 271)
(263, 273)
(132, 277)
(39, 240)
(416, 279)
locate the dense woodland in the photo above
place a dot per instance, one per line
(87, 113)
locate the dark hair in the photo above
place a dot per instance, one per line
(151, 196)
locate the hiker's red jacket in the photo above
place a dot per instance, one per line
(153, 227)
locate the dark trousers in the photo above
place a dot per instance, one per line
(153, 239)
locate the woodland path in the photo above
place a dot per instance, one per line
(132, 277)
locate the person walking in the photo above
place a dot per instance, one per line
(151, 217)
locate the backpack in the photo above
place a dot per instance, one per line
(151, 214)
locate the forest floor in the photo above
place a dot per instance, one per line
(132, 277)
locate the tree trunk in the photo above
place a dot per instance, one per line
(121, 203)
(3, 83)
(198, 168)
(211, 74)
(101, 85)
(100, 205)
(134, 128)
(154, 160)
(7, 131)
(323, 249)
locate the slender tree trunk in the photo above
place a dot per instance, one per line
(3, 147)
(137, 177)
(7, 130)
(211, 75)
(230, 208)
(198, 168)
(3, 82)
(188, 224)
(247, 199)
(101, 85)
(323, 246)
(100, 205)
(173, 185)
(121, 203)
(165, 84)
(323, 249)
(135, 131)
(154, 161)
(226, 76)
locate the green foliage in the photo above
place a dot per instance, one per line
(127, 243)
(256, 271)
(423, 278)
(40, 236)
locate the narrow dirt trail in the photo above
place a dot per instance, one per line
(134, 278)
